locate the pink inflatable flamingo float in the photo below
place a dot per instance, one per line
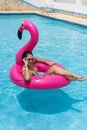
(38, 81)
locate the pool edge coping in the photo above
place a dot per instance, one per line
(56, 15)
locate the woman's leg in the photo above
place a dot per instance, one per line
(57, 70)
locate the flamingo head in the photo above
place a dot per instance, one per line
(20, 30)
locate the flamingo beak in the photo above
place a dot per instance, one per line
(20, 30)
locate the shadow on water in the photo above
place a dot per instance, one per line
(46, 101)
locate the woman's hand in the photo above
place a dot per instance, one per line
(25, 60)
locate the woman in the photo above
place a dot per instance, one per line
(29, 69)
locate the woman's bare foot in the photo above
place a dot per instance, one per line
(82, 78)
(79, 78)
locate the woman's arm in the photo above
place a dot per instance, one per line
(25, 71)
(40, 60)
(26, 74)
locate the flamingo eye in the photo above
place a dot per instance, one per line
(22, 25)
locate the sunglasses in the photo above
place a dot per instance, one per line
(30, 59)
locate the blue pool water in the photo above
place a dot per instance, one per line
(56, 109)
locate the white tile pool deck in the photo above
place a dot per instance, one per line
(78, 19)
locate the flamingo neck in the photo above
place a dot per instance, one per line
(30, 45)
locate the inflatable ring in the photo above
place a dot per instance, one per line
(37, 81)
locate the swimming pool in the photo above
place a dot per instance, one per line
(56, 109)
